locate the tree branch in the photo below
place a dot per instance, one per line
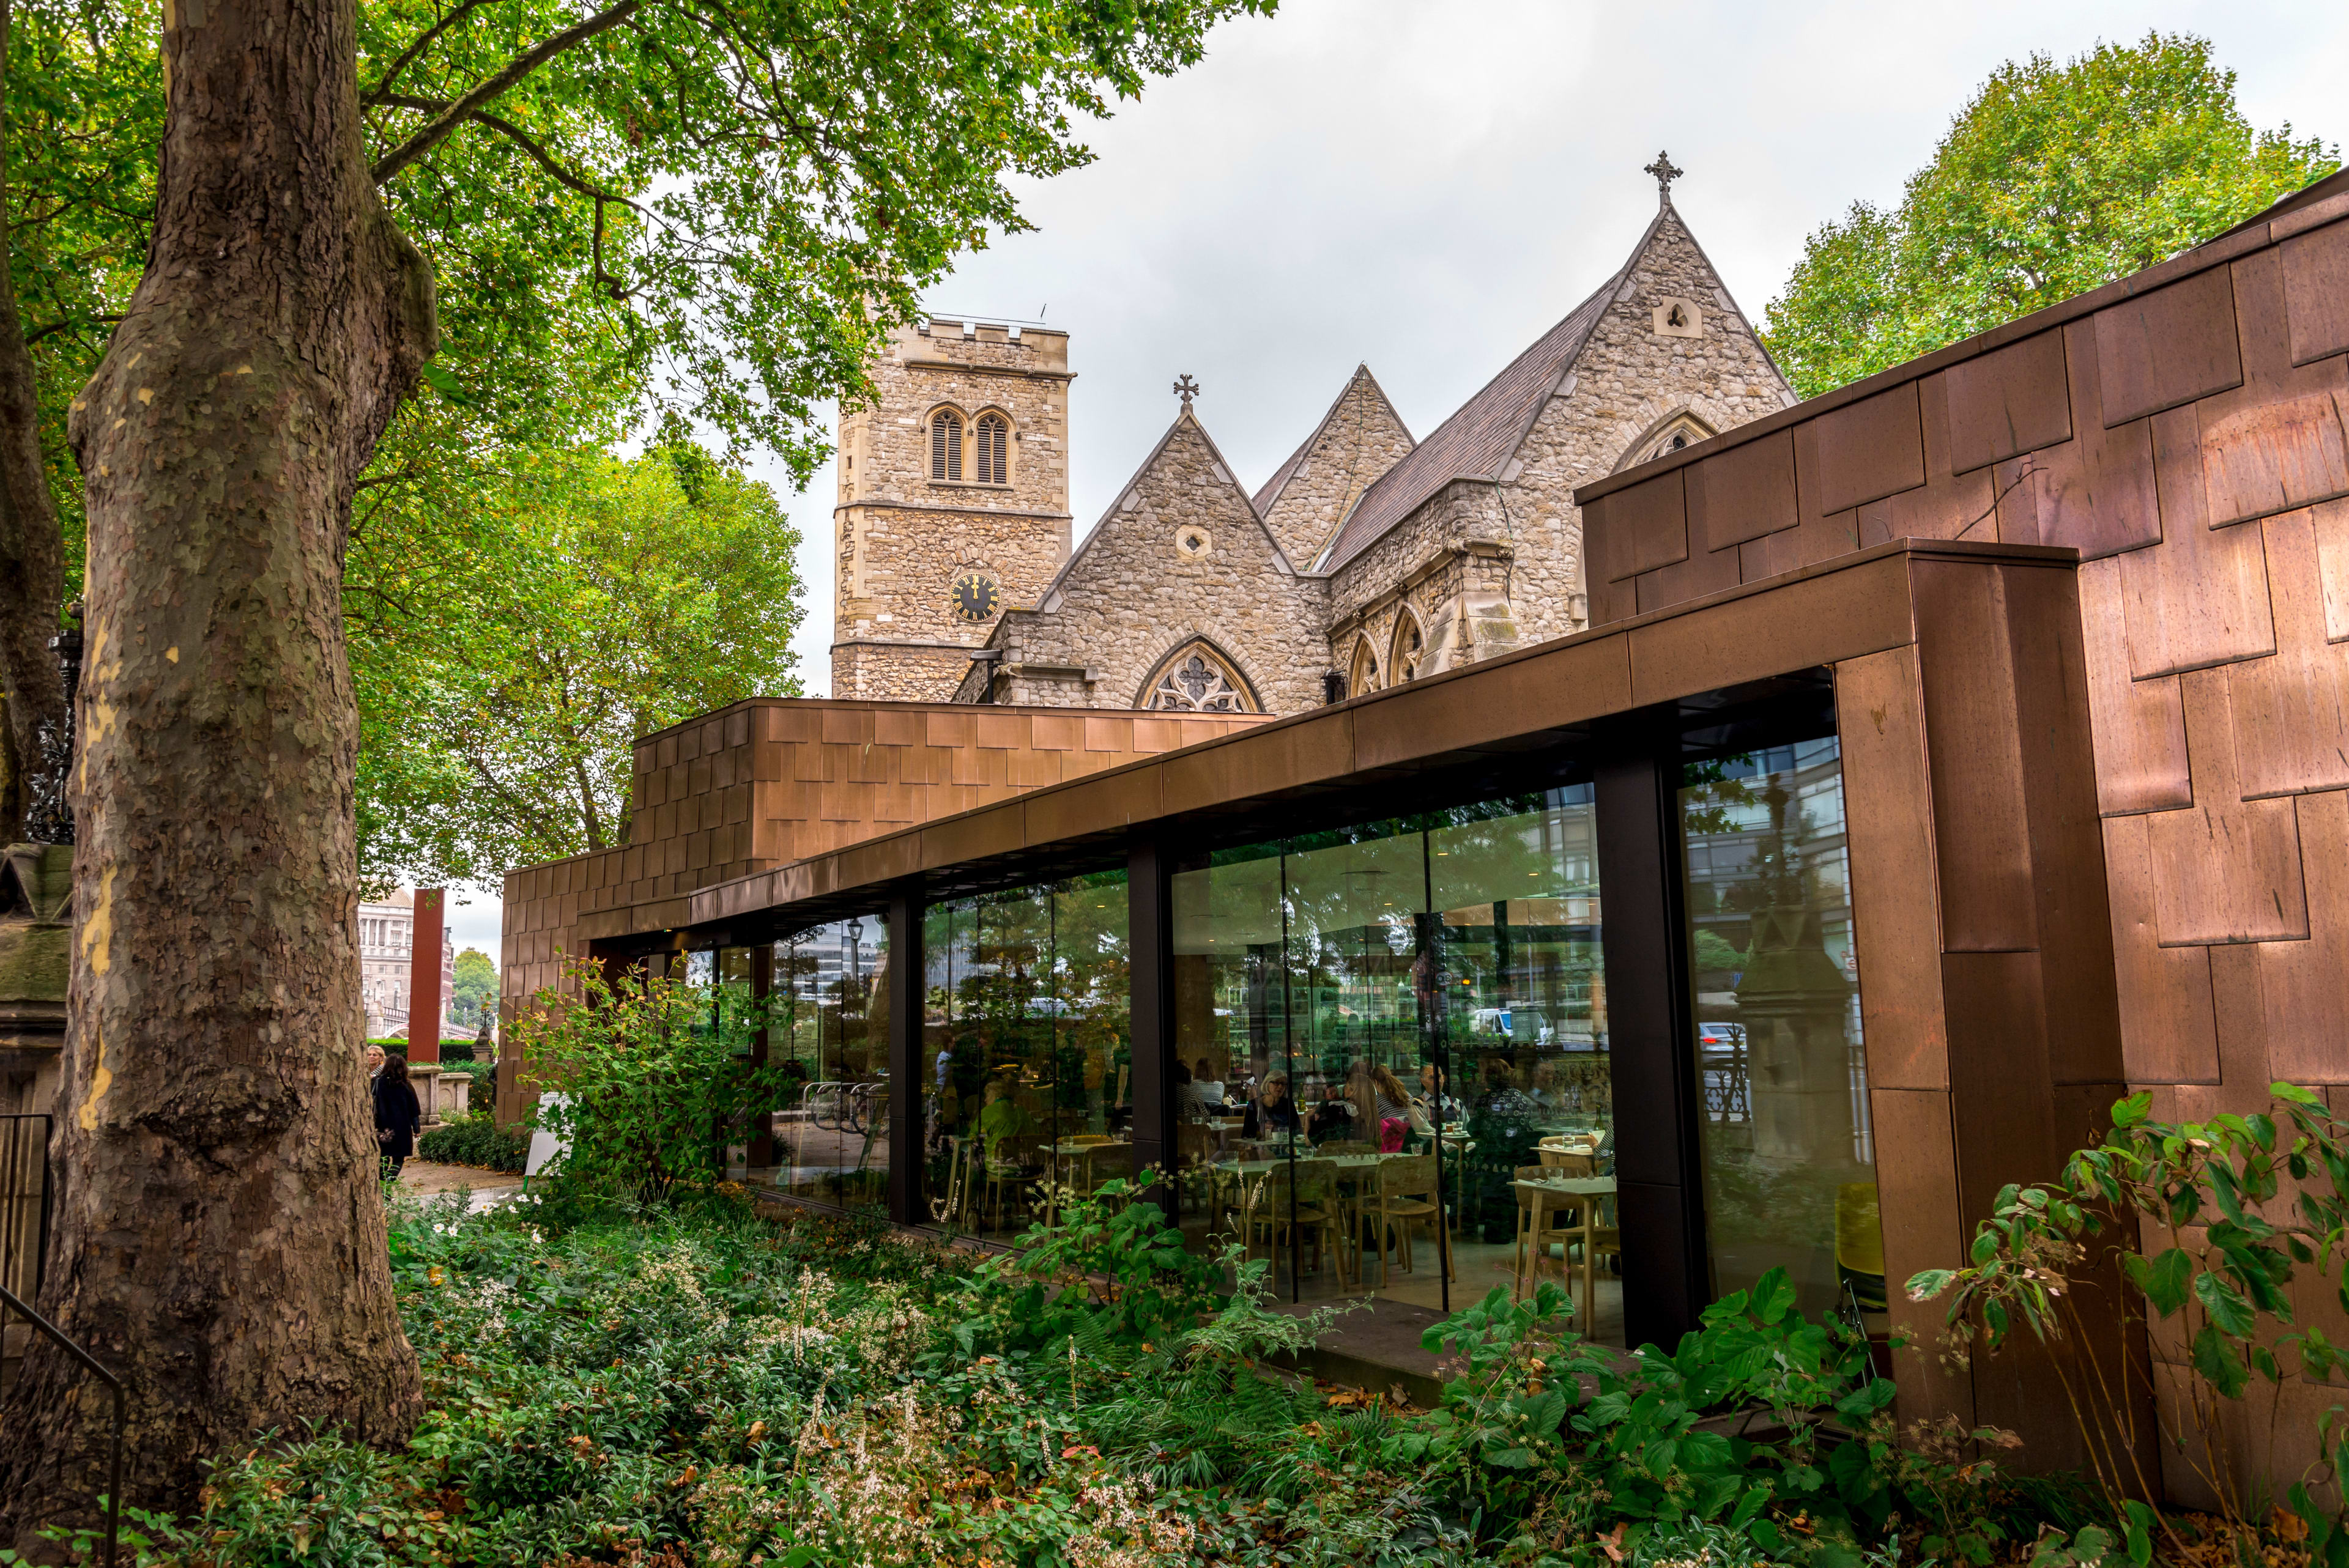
(377, 93)
(438, 130)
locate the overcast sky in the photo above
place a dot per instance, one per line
(1426, 186)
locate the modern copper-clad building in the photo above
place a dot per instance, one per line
(1948, 757)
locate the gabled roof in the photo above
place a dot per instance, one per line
(1107, 517)
(1288, 471)
(1478, 439)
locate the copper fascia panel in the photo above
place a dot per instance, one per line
(1841, 609)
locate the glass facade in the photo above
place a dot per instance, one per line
(1788, 1156)
(1392, 1056)
(1027, 1050)
(828, 1027)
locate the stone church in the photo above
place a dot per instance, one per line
(1370, 557)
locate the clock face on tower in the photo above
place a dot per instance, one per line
(975, 597)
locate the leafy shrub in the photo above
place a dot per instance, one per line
(476, 1139)
(2214, 1194)
(654, 1074)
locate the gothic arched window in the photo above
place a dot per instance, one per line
(1196, 680)
(1365, 677)
(945, 445)
(1409, 648)
(991, 454)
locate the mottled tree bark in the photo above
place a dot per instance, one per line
(32, 562)
(219, 1240)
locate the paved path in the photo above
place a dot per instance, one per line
(489, 1187)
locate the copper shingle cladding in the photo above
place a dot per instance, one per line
(2186, 432)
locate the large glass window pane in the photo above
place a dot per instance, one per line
(1789, 1160)
(1516, 887)
(1362, 1207)
(1028, 1050)
(1229, 987)
(831, 985)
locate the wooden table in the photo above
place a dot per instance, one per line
(1072, 1152)
(1590, 1188)
(1350, 1167)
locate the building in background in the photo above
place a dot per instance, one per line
(1367, 560)
(387, 954)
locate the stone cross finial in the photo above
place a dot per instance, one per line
(1665, 174)
(1186, 388)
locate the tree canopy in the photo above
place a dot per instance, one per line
(581, 604)
(2052, 181)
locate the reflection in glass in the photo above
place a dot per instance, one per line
(828, 1029)
(1789, 1158)
(1027, 1050)
(1388, 1031)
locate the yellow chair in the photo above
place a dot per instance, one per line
(1859, 1244)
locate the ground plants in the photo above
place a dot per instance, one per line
(475, 1138)
(2227, 1214)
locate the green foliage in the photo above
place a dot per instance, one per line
(597, 601)
(704, 1383)
(653, 1073)
(475, 990)
(475, 1138)
(1112, 1268)
(2053, 180)
(2244, 1202)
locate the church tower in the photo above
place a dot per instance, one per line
(954, 503)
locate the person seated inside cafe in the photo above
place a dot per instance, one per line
(1391, 1108)
(1435, 1103)
(1189, 1104)
(1271, 1115)
(1001, 1119)
(1211, 1088)
(1328, 1112)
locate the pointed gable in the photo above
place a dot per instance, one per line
(1476, 442)
(1358, 440)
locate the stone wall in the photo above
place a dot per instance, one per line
(1180, 556)
(1490, 566)
(1628, 383)
(1359, 439)
(903, 538)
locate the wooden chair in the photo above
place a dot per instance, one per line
(1011, 1165)
(1194, 1177)
(1537, 1232)
(1410, 1191)
(1315, 1210)
(1559, 1162)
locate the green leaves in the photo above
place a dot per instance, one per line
(2054, 179)
(2164, 1280)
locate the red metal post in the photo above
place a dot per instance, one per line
(424, 1001)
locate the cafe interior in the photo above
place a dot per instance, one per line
(1387, 1068)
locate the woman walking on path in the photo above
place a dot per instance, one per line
(397, 1114)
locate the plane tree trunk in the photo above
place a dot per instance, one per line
(218, 1240)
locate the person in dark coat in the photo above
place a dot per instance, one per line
(397, 1114)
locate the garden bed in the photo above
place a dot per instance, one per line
(721, 1382)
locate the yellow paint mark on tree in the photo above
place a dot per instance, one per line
(98, 956)
(172, 655)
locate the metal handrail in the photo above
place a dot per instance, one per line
(121, 1413)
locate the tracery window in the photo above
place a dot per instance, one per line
(1196, 681)
(945, 445)
(992, 459)
(1681, 434)
(1409, 648)
(1365, 677)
